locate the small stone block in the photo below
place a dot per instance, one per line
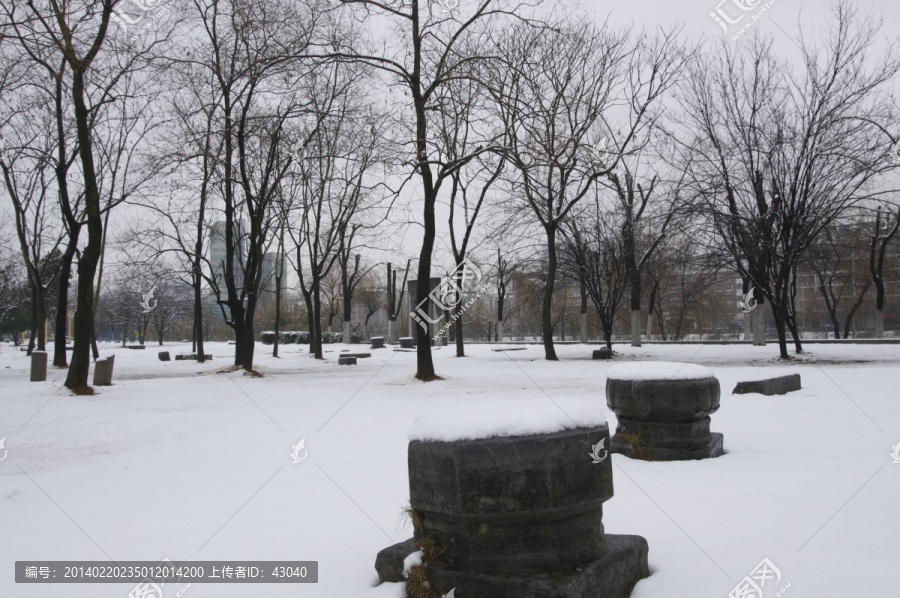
(38, 366)
(360, 355)
(603, 353)
(181, 357)
(772, 386)
(407, 342)
(103, 371)
(389, 562)
(346, 360)
(377, 342)
(164, 356)
(137, 347)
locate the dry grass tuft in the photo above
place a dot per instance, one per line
(418, 584)
(83, 391)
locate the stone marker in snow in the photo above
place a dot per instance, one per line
(103, 370)
(771, 386)
(377, 342)
(344, 360)
(38, 366)
(663, 410)
(512, 496)
(164, 356)
(407, 342)
(602, 353)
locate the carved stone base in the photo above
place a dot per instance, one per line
(612, 576)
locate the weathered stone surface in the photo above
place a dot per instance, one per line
(523, 503)
(603, 353)
(342, 360)
(663, 400)
(668, 434)
(38, 366)
(709, 450)
(407, 342)
(136, 347)
(103, 371)
(389, 562)
(359, 355)
(612, 576)
(771, 386)
(164, 356)
(444, 341)
(377, 342)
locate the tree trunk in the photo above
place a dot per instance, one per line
(198, 311)
(345, 325)
(315, 338)
(458, 330)
(635, 328)
(500, 330)
(60, 359)
(879, 323)
(780, 329)
(758, 323)
(547, 303)
(90, 254)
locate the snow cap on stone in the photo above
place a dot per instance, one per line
(504, 419)
(659, 370)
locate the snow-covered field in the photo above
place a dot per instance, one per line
(178, 461)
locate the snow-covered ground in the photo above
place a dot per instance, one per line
(178, 461)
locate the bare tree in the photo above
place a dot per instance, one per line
(437, 49)
(765, 168)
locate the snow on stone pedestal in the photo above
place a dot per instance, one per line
(663, 410)
(513, 494)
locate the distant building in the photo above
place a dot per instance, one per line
(217, 253)
(267, 281)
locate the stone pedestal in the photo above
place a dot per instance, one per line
(346, 360)
(377, 342)
(38, 366)
(407, 342)
(103, 371)
(518, 517)
(663, 416)
(164, 356)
